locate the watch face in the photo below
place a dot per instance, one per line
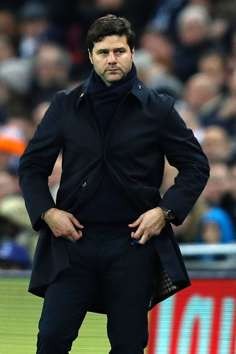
(169, 215)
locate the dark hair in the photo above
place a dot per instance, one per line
(110, 25)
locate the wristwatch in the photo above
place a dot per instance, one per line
(168, 214)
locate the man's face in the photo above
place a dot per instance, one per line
(112, 58)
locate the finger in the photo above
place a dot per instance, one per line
(144, 238)
(76, 222)
(70, 238)
(75, 234)
(139, 232)
(136, 222)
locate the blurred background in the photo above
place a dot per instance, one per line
(185, 48)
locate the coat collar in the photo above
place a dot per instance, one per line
(139, 90)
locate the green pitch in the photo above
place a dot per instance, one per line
(19, 313)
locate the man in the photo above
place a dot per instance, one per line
(107, 245)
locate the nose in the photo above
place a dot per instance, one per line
(111, 58)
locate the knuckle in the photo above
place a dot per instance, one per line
(143, 230)
(66, 234)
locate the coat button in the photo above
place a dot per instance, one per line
(84, 184)
(81, 95)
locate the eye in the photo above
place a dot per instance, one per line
(120, 50)
(103, 52)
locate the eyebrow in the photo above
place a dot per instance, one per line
(107, 50)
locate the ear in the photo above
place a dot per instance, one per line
(132, 53)
(90, 57)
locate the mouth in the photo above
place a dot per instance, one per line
(113, 71)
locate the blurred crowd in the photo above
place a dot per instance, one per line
(184, 48)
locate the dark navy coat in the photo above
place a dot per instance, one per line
(145, 130)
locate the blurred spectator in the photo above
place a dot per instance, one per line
(35, 28)
(12, 208)
(203, 97)
(39, 111)
(13, 256)
(225, 9)
(216, 144)
(144, 64)
(7, 50)
(109, 5)
(54, 179)
(213, 64)
(216, 227)
(8, 183)
(218, 184)
(16, 73)
(232, 55)
(159, 46)
(23, 124)
(12, 144)
(12, 139)
(228, 200)
(8, 26)
(215, 224)
(170, 173)
(4, 100)
(210, 220)
(232, 170)
(166, 14)
(11, 102)
(159, 71)
(52, 67)
(191, 119)
(188, 231)
(15, 225)
(226, 116)
(193, 28)
(155, 76)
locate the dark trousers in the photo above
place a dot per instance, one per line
(121, 273)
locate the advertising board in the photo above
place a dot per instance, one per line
(198, 320)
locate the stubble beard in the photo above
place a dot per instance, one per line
(110, 78)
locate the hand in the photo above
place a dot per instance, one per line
(63, 224)
(148, 224)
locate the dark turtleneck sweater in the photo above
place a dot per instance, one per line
(109, 209)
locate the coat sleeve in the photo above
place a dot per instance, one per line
(182, 151)
(37, 163)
